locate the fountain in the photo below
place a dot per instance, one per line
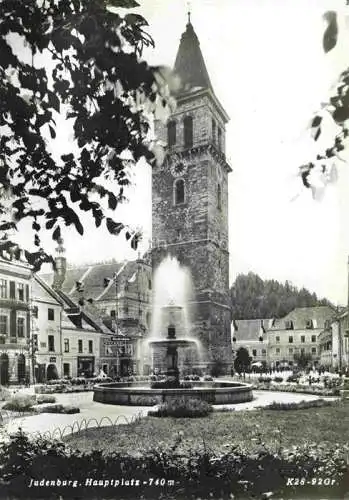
(171, 344)
(171, 317)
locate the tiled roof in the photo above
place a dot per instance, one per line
(89, 318)
(92, 278)
(250, 329)
(300, 315)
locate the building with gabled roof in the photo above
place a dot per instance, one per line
(118, 290)
(67, 339)
(73, 340)
(113, 297)
(297, 334)
(251, 334)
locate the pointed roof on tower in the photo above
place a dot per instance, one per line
(190, 65)
(191, 69)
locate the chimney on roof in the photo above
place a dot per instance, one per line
(60, 266)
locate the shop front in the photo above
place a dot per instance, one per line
(86, 366)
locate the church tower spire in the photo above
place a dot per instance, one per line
(60, 266)
(190, 201)
(190, 65)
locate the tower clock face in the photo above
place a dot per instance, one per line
(178, 169)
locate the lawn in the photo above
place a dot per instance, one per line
(275, 428)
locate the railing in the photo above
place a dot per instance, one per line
(74, 428)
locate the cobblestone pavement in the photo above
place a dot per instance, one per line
(92, 413)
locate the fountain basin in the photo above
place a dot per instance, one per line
(172, 343)
(136, 394)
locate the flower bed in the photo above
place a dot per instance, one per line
(316, 403)
(57, 408)
(181, 408)
(163, 472)
(37, 404)
(299, 388)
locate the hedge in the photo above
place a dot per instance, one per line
(164, 473)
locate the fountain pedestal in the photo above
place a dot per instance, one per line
(172, 371)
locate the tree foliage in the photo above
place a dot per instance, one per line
(252, 297)
(321, 170)
(99, 83)
(242, 362)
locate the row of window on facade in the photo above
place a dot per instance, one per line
(180, 196)
(291, 339)
(126, 312)
(51, 345)
(292, 351)
(80, 346)
(13, 290)
(255, 352)
(188, 127)
(5, 330)
(309, 324)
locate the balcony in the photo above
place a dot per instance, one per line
(13, 342)
(9, 303)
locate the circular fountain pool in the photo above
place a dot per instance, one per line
(133, 393)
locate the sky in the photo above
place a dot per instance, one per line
(269, 71)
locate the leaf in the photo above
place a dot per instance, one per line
(135, 240)
(114, 227)
(56, 233)
(50, 223)
(74, 193)
(340, 114)
(112, 201)
(331, 33)
(135, 19)
(78, 226)
(305, 179)
(316, 121)
(52, 132)
(125, 4)
(317, 134)
(68, 157)
(54, 102)
(7, 225)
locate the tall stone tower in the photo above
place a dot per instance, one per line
(190, 201)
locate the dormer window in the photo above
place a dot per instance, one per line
(309, 324)
(179, 191)
(289, 324)
(171, 133)
(188, 131)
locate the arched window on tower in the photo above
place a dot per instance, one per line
(220, 139)
(179, 191)
(171, 133)
(213, 131)
(219, 197)
(188, 131)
